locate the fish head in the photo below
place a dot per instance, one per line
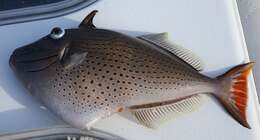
(54, 48)
(41, 50)
(37, 62)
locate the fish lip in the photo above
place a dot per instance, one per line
(14, 53)
(18, 66)
(12, 60)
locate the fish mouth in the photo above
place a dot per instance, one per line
(32, 58)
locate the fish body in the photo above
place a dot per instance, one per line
(89, 74)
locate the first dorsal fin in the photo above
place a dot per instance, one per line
(88, 20)
(153, 115)
(161, 40)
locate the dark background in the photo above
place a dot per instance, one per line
(14, 4)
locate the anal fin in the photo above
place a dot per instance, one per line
(153, 115)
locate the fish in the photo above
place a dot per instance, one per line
(86, 74)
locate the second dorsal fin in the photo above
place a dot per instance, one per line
(186, 55)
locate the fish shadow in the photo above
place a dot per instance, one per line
(133, 33)
(129, 116)
(27, 120)
(218, 72)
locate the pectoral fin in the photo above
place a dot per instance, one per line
(72, 57)
(153, 115)
(161, 40)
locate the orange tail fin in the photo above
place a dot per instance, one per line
(235, 93)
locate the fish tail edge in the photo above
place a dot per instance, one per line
(235, 94)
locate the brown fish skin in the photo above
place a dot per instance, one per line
(90, 73)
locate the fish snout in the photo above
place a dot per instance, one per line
(13, 58)
(19, 53)
(34, 57)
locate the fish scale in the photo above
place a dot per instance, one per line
(87, 74)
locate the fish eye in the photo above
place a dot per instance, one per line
(57, 33)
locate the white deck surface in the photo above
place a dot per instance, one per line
(250, 19)
(210, 28)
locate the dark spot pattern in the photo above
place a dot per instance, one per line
(116, 72)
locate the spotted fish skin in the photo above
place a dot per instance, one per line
(91, 73)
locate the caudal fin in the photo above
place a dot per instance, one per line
(235, 94)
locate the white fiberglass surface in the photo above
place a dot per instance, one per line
(210, 28)
(250, 19)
